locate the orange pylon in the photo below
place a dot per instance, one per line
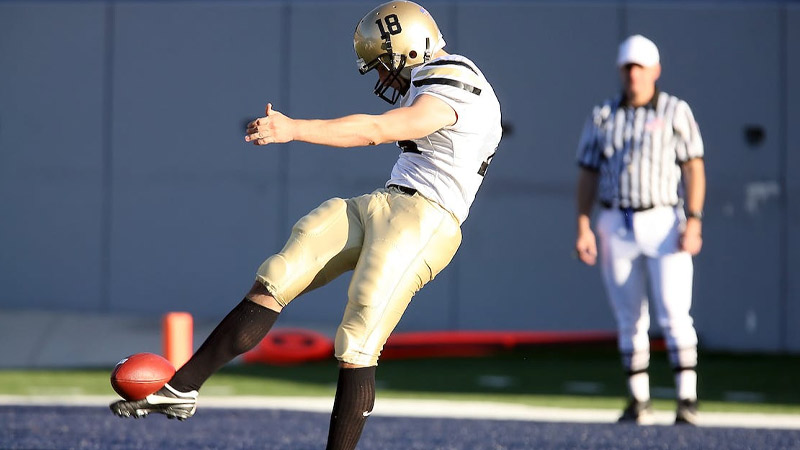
(177, 337)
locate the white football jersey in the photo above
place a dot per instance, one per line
(448, 165)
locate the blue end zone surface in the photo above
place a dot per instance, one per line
(62, 427)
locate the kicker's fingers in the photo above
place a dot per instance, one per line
(252, 137)
(253, 126)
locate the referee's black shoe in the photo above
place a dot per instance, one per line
(686, 414)
(638, 412)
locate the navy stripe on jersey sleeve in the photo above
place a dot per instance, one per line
(448, 82)
(445, 62)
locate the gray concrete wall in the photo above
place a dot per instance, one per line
(790, 168)
(126, 187)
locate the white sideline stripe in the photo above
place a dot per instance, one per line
(438, 409)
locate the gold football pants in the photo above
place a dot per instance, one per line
(393, 242)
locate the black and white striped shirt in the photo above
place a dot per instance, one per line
(638, 151)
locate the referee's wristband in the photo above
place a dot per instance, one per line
(695, 215)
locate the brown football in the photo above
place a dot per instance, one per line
(141, 374)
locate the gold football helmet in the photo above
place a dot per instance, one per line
(398, 36)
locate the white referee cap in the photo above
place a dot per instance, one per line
(637, 49)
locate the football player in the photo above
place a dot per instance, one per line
(394, 239)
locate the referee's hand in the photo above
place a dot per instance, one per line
(586, 247)
(692, 237)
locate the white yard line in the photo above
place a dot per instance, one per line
(440, 409)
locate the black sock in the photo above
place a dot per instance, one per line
(243, 328)
(355, 397)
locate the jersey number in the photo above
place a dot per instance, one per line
(392, 26)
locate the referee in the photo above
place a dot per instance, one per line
(641, 156)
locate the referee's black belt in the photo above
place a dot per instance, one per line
(404, 189)
(609, 205)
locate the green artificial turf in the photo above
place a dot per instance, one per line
(564, 376)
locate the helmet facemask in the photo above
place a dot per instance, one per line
(393, 63)
(383, 85)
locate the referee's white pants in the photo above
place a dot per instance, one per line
(645, 261)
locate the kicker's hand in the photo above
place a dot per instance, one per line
(273, 128)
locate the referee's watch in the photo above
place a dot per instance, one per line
(695, 215)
